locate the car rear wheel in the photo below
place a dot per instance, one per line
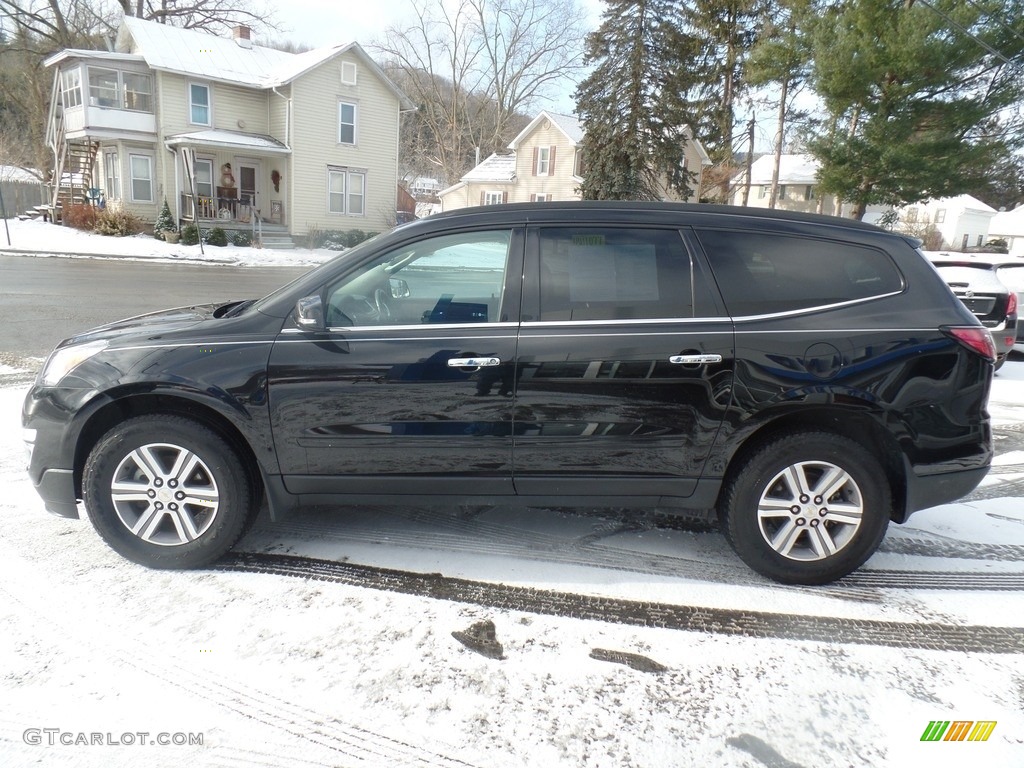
(806, 508)
(166, 492)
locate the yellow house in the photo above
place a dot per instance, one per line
(544, 163)
(226, 131)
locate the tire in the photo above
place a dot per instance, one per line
(166, 492)
(782, 529)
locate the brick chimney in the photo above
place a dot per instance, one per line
(242, 35)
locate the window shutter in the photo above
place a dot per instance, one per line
(551, 162)
(504, 196)
(481, 197)
(536, 152)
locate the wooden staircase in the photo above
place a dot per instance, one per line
(73, 160)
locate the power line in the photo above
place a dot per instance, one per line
(967, 32)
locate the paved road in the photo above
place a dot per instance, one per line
(43, 300)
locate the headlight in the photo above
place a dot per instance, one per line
(64, 360)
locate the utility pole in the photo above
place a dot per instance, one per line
(750, 160)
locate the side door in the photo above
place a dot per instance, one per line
(625, 363)
(409, 390)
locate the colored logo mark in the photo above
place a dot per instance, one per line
(958, 730)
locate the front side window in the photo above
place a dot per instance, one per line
(204, 178)
(111, 170)
(71, 86)
(138, 92)
(346, 191)
(141, 167)
(103, 88)
(199, 104)
(442, 280)
(613, 274)
(762, 274)
(346, 123)
(543, 160)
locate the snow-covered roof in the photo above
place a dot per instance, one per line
(1008, 223)
(221, 59)
(81, 53)
(213, 137)
(495, 168)
(17, 173)
(567, 124)
(793, 169)
(189, 52)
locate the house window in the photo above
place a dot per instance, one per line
(346, 191)
(138, 92)
(911, 214)
(543, 161)
(113, 175)
(141, 168)
(199, 104)
(542, 197)
(346, 123)
(494, 198)
(782, 192)
(940, 216)
(577, 167)
(762, 192)
(71, 86)
(980, 238)
(204, 178)
(809, 192)
(348, 73)
(103, 88)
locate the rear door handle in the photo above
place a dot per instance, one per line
(473, 362)
(695, 359)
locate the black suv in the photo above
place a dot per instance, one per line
(810, 378)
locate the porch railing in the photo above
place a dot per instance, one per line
(226, 209)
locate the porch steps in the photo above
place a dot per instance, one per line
(278, 241)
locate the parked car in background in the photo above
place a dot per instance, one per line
(1010, 272)
(978, 281)
(808, 377)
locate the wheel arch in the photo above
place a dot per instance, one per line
(152, 404)
(860, 425)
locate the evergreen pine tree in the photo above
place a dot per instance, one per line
(634, 106)
(164, 222)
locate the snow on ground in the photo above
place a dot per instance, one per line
(45, 239)
(286, 672)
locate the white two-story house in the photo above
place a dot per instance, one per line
(296, 142)
(544, 163)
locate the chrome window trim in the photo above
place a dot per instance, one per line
(816, 308)
(421, 327)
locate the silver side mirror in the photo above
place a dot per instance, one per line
(309, 313)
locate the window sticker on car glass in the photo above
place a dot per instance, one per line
(626, 272)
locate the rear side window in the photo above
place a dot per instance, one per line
(611, 273)
(761, 274)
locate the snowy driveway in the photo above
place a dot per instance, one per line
(327, 639)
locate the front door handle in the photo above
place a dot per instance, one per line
(473, 362)
(695, 359)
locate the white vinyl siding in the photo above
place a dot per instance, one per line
(199, 104)
(141, 171)
(346, 123)
(314, 142)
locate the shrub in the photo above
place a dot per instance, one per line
(117, 222)
(164, 222)
(81, 216)
(189, 235)
(241, 239)
(335, 239)
(216, 236)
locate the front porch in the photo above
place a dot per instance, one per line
(232, 215)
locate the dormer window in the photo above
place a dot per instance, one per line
(199, 104)
(348, 73)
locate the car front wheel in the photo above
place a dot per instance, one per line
(806, 508)
(166, 492)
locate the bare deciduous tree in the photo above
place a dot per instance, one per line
(473, 69)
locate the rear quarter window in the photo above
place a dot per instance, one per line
(763, 274)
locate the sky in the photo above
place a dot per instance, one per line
(325, 22)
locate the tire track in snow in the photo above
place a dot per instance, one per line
(741, 623)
